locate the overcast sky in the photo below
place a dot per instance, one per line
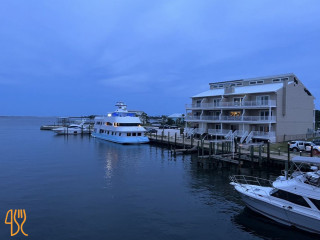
(69, 58)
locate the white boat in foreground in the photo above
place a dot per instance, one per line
(73, 129)
(120, 127)
(291, 200)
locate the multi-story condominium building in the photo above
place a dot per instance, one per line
(276, 108)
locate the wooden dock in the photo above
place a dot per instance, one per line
(223, 150)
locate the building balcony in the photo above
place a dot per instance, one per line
(232, 119)
(233, 105)
(263, 135)
(219, 132)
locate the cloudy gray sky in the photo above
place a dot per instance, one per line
(64, 57)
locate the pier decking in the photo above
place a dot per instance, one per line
(224, 150)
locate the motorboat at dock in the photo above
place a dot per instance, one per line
(73, 129)
(293, 199)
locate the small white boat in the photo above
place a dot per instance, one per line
(120, 126)
(291, 200)
(73, 129)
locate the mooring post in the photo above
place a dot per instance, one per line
(239, 152)
(198, 147)
(210, 149)
(279, 150)
(222, 147)
(202, 150)
(288, 162)
(157, 136)
(260, 158)
(168, 138)
(183, 140)
(162, 136)
(191, 140)
(268, 152)
(251, 154)
(175, 140)
(311, 151)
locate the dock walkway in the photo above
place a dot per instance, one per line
(223, 150)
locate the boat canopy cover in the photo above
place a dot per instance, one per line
(300, 159)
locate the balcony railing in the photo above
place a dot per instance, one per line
(218, 131)
(232, 118)
(258, 134)
(244, 104)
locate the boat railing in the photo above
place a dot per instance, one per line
(251, 180)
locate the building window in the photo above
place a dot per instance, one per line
(216, 102)
(235, 114)
(237, 101)
(264, 128)
(198, 103)
(262, 100)
(264, 115)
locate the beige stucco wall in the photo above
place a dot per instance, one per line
(299, 113)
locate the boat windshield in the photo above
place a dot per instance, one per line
(290, 197)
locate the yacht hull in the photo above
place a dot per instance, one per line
(121, 140)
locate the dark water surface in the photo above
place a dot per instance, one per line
(83, 188)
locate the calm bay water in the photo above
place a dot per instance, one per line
(83, 188)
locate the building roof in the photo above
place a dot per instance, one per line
(258, 78)
(273, 87)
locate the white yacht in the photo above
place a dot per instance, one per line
(120, 127)
(291, 200)
(73, 129)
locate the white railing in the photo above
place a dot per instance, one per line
(269, 103)
(245, 134)
(218, 131)
(200, 130)
(249, 137)
(263, 134)
(249, 180)
(192, 118)
(248, 118)
(233, 118)
(239, 133)
(214, 118)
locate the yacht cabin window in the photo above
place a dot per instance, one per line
(290, 197)
(315, 202)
